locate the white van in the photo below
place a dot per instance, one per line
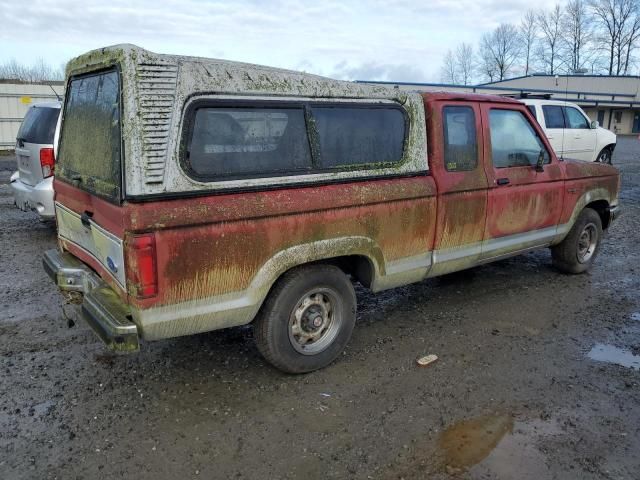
(570, 132)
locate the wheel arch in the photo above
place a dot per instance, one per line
(602, 209)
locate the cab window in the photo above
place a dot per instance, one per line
(514, 142)
(575, 119)
(460, 143)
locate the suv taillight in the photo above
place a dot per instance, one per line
(47, 161)
(142, 274)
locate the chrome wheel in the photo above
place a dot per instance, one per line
(315, 321)
(587, 242)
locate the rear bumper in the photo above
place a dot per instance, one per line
(38, 198)
(103, 310)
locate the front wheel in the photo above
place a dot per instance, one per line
(307, 319)
(604, 156)
(577, 252)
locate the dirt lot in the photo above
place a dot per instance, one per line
(518, 392)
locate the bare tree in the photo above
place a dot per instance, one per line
(630, 40)
(40, 71)
(576, 35)
(499, 51)
(449, 73)
(464, 63)
(550, 24)
(618, 27)
(528, 36)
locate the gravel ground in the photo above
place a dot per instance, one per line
(525, 387)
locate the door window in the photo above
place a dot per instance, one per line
(553, 116)
(514, 142)
(460, 143)
(575, 119)
(532, 109)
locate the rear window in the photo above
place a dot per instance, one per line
(90, 144)
(39, 125)
(359, 135)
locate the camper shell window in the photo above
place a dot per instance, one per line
(250, 139)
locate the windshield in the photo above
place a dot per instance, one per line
(39, 125)
(90, 144)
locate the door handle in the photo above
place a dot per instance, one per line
(502, 181)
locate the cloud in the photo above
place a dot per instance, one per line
(400, 40)
(378, 71)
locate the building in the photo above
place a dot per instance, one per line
(15, 99)
(613, 101)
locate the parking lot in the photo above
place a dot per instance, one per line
(524, 386)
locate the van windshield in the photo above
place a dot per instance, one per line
(90, 143)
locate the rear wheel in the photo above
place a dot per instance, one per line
(579, 249)
(605, 156)
(307, 319)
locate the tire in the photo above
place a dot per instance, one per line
(577, 252)
(604, 156)
(307, 319)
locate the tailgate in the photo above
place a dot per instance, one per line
(28, 159)
(105, 247)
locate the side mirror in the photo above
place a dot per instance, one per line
(595, 124)
(540, 162)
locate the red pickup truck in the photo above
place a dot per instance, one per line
(195, 194)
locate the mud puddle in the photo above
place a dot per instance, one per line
(496, 445)
(611, 354)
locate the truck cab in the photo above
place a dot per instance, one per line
(197, 194)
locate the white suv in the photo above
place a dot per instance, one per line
(570, 131)
(32, 184)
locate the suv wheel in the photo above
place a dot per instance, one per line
(307, 319)
(604, 156)
(576, 253)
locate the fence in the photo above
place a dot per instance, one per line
(15, 99)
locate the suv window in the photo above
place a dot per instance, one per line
(514, 142)
(39, 125)
(553, 116)
(358, 135)
(532, 109)
(460, 144)
(90, 142)
(248, 141)
(575, 119)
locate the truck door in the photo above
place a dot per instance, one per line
(524, 204)
(455, 153)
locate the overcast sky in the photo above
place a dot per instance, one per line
(397, 40)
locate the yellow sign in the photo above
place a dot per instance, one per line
(25, 100)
